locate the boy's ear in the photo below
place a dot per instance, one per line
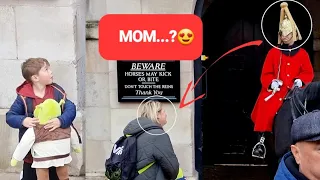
(34, 78)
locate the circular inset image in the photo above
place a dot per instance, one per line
(175, 111)
(294, 16)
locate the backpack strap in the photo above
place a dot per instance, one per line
(25, 104)
(28, 105)
(59, 94)
(79, 137)
(146, 167)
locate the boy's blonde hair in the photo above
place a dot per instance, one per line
(32, 67)
(150, 110)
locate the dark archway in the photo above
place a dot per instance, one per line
(233, 84)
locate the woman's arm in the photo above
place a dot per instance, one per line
(165, 156)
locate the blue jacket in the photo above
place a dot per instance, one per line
(17, 112)
(288, 169)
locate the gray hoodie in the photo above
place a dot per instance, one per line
(153, 148)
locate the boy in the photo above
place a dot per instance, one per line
(38, 86)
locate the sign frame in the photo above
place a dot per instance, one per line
(173, 94)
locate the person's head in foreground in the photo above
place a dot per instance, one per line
(37, 71)
(303, 162)
(288, 32)
(154, 111)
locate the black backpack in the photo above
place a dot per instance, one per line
(123, 159)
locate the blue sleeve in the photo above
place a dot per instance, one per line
(16, 114)
(68, 115)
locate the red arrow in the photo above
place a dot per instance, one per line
(182, 103)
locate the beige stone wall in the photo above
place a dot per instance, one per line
(313, 7)
(105, 116)
(50, 29)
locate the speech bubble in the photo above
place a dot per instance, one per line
(150, 37)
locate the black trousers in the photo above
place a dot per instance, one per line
(29, 173)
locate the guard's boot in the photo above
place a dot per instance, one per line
(259, 150)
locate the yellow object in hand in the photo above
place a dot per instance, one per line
(13, 162)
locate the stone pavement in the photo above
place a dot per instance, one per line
(15, 176)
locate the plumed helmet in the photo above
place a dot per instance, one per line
(287, 24)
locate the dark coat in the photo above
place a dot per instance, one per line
(284, 117)
(153, 148)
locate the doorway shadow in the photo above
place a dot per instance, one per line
(233, 84)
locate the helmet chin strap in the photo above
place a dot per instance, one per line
(288, 41)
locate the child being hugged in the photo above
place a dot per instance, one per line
(37, 88)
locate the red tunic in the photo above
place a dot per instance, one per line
(293, 67)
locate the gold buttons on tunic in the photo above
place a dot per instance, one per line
(288, 75)
(288, 64)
